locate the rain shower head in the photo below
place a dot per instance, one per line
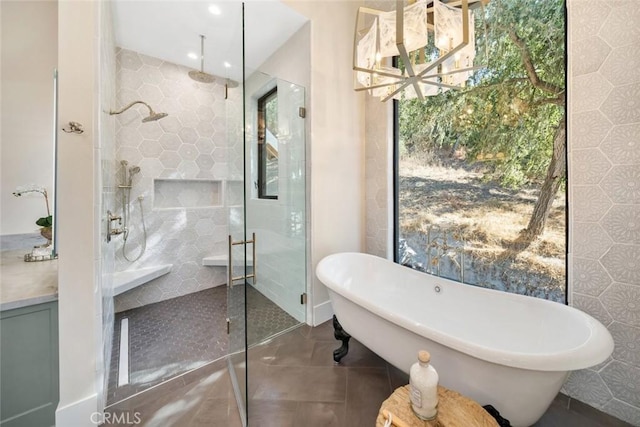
(153, 116)
(134, 170)
(201, 76)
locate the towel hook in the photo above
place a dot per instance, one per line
(74, 127)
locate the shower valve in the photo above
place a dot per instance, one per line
(113, 231)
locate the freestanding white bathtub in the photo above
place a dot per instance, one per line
(510, 351)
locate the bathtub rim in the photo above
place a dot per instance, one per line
(596, 348)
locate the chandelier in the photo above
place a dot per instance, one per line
(423, 67)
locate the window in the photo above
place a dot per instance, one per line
(268, 145)
(481, 172)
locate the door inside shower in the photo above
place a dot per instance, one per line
(182, 202)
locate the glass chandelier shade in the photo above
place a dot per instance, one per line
(427, 66)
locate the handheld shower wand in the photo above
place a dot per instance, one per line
(129, 172)
(132, 171)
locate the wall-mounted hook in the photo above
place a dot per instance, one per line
(74, 127)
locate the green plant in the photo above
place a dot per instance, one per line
(45, 221)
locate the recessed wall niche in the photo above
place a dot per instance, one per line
(186, 193)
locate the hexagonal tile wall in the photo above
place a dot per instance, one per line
(590, 240)
(593, 90)
(622, 66)
(621, 262)
(626, 339)
(621, 145)
(599, 258)
(623, 380)
(593, 306)
(622, 105)
(623, 411)
(622, 184)
(587, 18)
(590, 203)
(589, 166)
(589, 54)
(588, 386)
(590, 128)
(623, 302)
(589, 276)
(179, 146)
(622, 223)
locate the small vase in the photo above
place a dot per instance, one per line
(47, 233)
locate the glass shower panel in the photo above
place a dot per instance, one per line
(235, 203)
(291, 253)
(279, 224)
(274, 302)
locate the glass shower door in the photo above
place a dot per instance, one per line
(267, 243)
(235, 202)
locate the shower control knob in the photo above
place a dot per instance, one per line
(113, 231)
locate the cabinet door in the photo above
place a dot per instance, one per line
(29, 366)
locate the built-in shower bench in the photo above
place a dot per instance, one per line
(221, 260)
(124, 281)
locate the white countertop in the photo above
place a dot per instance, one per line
(26, 283)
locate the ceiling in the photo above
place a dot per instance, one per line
(170, 30)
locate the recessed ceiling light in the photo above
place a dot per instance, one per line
(215, 10)
(227, 65)
(192, 55)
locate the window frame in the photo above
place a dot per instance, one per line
(262, 146)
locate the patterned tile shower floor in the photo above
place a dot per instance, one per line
(172, 337)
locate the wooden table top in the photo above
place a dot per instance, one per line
(454, 410)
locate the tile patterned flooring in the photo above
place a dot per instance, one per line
(293, 382)
(178, 335)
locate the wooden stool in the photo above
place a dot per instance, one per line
(454, 410)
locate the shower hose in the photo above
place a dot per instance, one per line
(126, 232)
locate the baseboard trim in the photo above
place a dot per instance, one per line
(322, 312)
(82, 413)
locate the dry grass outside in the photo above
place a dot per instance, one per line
(489, 218)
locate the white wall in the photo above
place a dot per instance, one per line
(28, 58)
(79, 295)
(336, 121)
(379, 178)
(292, 61)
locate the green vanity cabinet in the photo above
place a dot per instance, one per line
(29, 365)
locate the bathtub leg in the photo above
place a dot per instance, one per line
(340, 335)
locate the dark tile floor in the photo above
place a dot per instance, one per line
(293, 382)
(178, 335)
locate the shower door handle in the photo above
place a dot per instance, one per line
(253, 276)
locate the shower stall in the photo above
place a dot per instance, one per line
(203, 268)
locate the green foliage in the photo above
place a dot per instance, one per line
(271, 113)
(501, 114)
(45, 221)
